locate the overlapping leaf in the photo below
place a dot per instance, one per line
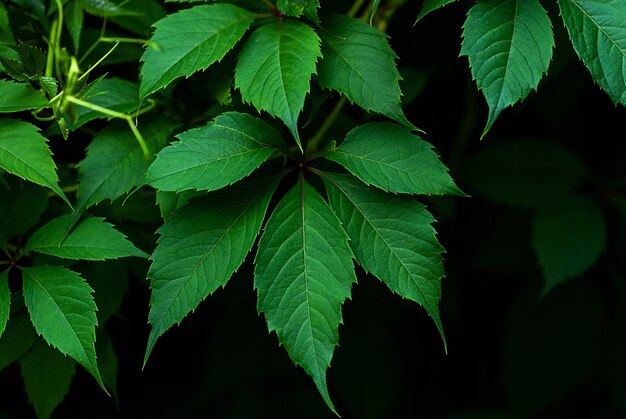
(359, 63)
(568, 237)
(275, 67)
(598, 33)
(303, 274)
(431, 6)
(17, 338)
(21, 206)
(30, 158)
(200, 247)
(62, 310)
(392, 237)
(47, 377)
(388, 156)
(509, 46)
(191, 40)
(216, 155)
(15, 97)
(91, 239)
(5, 300)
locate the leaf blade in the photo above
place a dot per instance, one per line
(431, 6)
(5, 300)
(15, 97)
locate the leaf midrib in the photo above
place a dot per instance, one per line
(599, 27)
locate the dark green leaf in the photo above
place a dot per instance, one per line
(200, 247)
(389, 157)
(303, 274)
(431, 6)
(191, 40)
(393, 238)
(29, 158)
(109, 280)
(569, 236)
(310, 11)
(21, 206)
(359, 63)
(15, 97)
(598, 33)
(104, 8)
(169, 202)
(17, 338)
(62, 310)
(91, 239)
(74, 18)
(107, 361)
(47, 377)
(292, 7)
(216, 155)
(509, 46)
(275, 67)
(5, 299)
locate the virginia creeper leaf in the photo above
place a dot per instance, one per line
(216, 155)
(17, 338)
(431, 6)
(568, 236)
(29, 158)
(303, 274)
(47, 377)
(291, 7)
(200, 247)
(598, 34)
(169, 202)
(525, 172)
(275, 67)
(91, 239)
(392, 237)
(5, 300)
(509, 46)
(21, 206)
(389, 157)
(310, 11)
(15, 97)
(109, 281)
(115, 162)
(62, 310)
(359, 63)
(107, 361)
(191, 40)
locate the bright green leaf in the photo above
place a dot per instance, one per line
(568, 236)
(389, 157)
(15, 97)
(62, 310)
(359, 63)
(91, 239)
(392, 237)
(216, 155)
(303, 274)
(292, 7)
(310, 11)
(30, 158)
(598, 33)
(17, 338)
(200, 247)
(431, 6)
(47, 377)
(525, 172)
(21, 206)
(509, 46)
(5, 300)
(191, 40)
(275, 67)
(115, 162)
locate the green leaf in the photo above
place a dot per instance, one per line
(30, 158)
(21, 206)
(104, 8)
(47, 377)
(292, 7)
(109, 280)
(310, 11)
(148, 12)
(91, 239)
(62, 310)
(200, 247)
(389, 157)
(525, 172)
(568, 237)
(303, 274)
(598, 34)
(74, 18)
(6, 35)
(191, 40)
(509, 46)
(392, 237)
(17, 338)
(275, 67)
(15, 97)
(431, 6)
(5, 300)
(115, 162)
(169, 202)
(359, 63)
(216, 155)
(107, 361)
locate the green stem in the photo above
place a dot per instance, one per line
(314, 142)
(147, 42)
(99, 61)
(50, 55)
(356, 6)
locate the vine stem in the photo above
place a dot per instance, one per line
(356, 6)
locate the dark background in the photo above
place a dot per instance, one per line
(511, 353)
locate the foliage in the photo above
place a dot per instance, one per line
(260, 165)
